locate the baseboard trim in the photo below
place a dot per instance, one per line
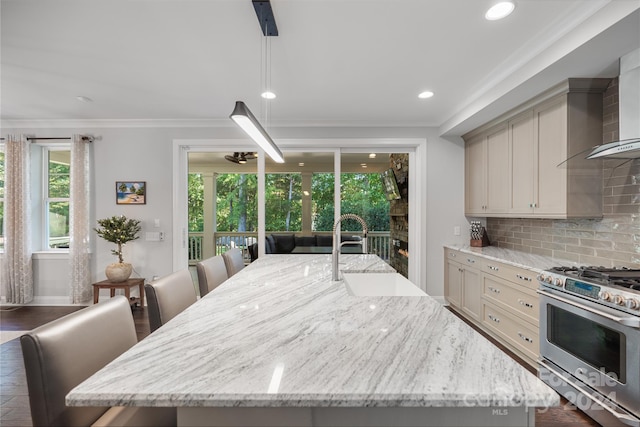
(441, 300)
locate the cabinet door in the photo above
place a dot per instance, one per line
(498, 176)
(472, 293)
(522, 163)
(475, 186)
(453, 283)
(550, 126)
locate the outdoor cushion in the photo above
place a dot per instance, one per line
(305, 240)
(324, 240)
(270, 246)
(284, 243)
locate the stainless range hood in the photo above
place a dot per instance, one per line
(629, 103)
(625, 149)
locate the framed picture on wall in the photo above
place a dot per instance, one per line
(131, 192)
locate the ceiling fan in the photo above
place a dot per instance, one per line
(241, 158)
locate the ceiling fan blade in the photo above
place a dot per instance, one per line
(232, 159)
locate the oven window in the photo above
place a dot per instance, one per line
(593, 343)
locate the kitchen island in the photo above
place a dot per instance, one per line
(281, 344)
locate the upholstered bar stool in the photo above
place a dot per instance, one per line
(168, 296)
(234, 261)
(61, 354)
(211, 273)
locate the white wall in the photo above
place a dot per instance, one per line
(445, 205)
(145, 154)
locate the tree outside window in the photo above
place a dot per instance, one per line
(1, 197)
(57, 198)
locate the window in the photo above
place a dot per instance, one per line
(1, 197)
(56, 197)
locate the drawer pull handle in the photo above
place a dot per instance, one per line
(494, 290)
(521, 277)
(453, 255)
(495, 319)
(460, 270)
(527, 339)
(491, 267)
(471, 261)
(526, 304)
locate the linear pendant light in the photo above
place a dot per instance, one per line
(248, 123)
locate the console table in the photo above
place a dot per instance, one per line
(126, 285)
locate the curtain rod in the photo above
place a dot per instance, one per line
(84, 138)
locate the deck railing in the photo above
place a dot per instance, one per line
(378, 243)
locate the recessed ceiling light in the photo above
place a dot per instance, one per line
(301, 164)
(364, 165)
(372, 155)
(499, 10)
(268, 95)
(84, 98)
(426, 94)
(305, 192)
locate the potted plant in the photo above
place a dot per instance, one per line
(118, 230)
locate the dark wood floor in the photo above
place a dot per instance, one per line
(14, 398)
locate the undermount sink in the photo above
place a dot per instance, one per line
(380, 284)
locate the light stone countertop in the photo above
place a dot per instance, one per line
(515, 258)
(283, 314)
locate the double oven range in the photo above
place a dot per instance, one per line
(590, 340)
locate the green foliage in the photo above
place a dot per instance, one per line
(283, 202)
(237, 204)
(196, 202)
(1, 198)
(118, 230)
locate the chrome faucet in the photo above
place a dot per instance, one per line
(336, 245)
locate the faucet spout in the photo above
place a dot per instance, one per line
(335, 253)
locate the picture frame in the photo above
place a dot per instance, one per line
(131, 192)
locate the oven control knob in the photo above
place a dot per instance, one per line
(618, 299)
(633, 304)
(605, 296)
(549, 279)
(541, 277)
(557, 281)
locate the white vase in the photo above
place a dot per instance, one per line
(118, 271)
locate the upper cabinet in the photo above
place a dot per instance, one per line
(531, 163)
(487, 172)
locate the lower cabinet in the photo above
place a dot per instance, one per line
(499, 298)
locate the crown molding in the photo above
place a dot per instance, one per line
(191, 123)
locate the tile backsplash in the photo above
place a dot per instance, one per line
(613, 240)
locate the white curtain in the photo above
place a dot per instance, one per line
(17, 273)
(79, 226)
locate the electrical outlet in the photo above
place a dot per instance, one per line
(456, 230)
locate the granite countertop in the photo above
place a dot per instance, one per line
(281, 334)
(513, 257)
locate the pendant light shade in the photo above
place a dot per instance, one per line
(248, 123)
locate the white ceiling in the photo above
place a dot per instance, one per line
(335, 63)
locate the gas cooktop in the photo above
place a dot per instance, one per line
(618, 288)
(623, 277)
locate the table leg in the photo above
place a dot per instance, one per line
(127, 293)
(141, 290)
(96, 294)
(112, 292)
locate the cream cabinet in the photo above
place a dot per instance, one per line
(499, 298)
(463, 286)
(534, 157)
(487, 172)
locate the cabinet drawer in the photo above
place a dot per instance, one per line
(452, 254)
(523, 338)
(520, 276)
(520, 301)
(470, 260)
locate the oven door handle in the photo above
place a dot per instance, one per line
(623, 418)
(633, 322)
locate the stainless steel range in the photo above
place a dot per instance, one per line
(590, 340)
